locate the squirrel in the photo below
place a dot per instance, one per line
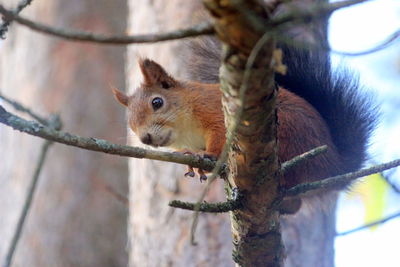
(315, 106)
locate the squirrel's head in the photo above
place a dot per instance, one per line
(156, 107)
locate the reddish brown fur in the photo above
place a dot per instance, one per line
(197, 110)
(207, 109)
(300, 129)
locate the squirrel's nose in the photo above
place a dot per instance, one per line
(146, 139)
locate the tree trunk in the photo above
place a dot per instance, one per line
(308, 235)
(74, 220)
(159, 235)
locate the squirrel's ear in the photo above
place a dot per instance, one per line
(154, 74)
(120, 96)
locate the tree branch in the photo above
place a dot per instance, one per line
(384, 44)
(286, 166)
(200, 29)
(218, 207)
(27, 205)
(369, 224)
(117, 195)
(99, 145)
(390, 183)
(231, 205)
(340, 181)
(26, 110)
(54, 122)
(7, 22)
(314, 11)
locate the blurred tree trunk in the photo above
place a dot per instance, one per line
(309, 235)
(159, 235)
(74, 220)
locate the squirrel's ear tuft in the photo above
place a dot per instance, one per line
(154, 74)
(120, 96)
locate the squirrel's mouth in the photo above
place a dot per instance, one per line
(165, 141)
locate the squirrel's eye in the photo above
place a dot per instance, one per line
(157, 103)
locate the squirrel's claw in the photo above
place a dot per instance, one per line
(190, 172)
(203, 176)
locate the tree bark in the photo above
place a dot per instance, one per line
(159, 234)
(74, 220)
(253, 161)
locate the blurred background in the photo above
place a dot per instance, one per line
(80, 212)
(357, 29)
(75, 219)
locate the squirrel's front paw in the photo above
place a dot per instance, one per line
(190, 171)
(200, 154)
(203, 176)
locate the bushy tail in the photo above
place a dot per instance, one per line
(335, 94)
(204, 59)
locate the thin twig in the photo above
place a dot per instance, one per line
(54, 122)
(340, 180)
(197, 30)
(26, 110)
(313, 11)
(280, 24)
(296, 15)
(384, 44)
(7, 22)
(232, 129)
(304, 44)
(201, 29)
(231, 205)
(286, 166)
(218, 207)
(117, 195)
(390, 183)
(27, 205)
(369, 224)
(99, 145)
(386, 176)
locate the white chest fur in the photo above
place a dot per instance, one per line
(189, 135)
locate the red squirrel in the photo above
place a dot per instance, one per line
(315, 106)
